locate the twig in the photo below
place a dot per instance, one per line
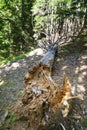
(73, 97)
(62, 126)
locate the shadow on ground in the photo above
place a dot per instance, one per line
(73, 62)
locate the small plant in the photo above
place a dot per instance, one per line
(21, 92)
(11, 119)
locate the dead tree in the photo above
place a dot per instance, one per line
(44, 104)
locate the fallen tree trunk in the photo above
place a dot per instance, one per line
(44, 104)
(44, 66)
(39, 76)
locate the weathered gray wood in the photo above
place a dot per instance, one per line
(48, 58)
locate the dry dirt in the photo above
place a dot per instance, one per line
(72, 60)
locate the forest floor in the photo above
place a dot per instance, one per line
(72, 60)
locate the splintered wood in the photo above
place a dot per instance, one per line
(44, 100)
(44, 104)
